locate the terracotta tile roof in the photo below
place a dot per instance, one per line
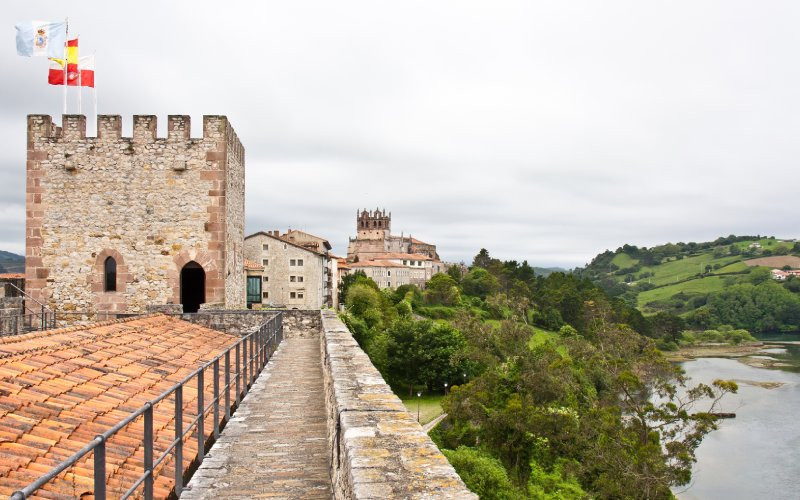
(60, 388)
(12, 276)
(250, 265)
(288, 242)
(418, 242)
(402, 256)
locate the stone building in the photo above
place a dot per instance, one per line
(377, 252)
(294, 276)
(388, 274)
(374, 238)
(115, 224)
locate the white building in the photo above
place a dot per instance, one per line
(391, 274)
(294, 276)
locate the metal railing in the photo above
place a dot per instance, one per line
(30, 319)
(243, 369)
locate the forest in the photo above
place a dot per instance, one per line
(554, 389)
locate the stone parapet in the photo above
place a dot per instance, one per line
(236, 322)
(300, 323)
(11, 319)
(377, 449)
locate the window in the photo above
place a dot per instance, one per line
(405, 262)
(266, 278)
(389, 284)
(299, 295)
(110, 275)
(292, 279)
(265, 247)
(292, 262)
(292, 295)
(388, 273)
(264, 262)
(299, 262)
(265, 295)
(299, 279)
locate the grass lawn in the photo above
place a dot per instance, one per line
(702, 285)
(429, 407)
(623, 260)
(676, 270)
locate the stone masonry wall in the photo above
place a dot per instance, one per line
(154, 204)
(235, 281)
(11, 309)
(377, 449)
(298, 323)
(239, 322)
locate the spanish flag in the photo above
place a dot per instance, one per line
(56, 75)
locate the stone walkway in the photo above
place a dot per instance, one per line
(275, 445)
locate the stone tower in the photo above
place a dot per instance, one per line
(115, 224)
(373, 225)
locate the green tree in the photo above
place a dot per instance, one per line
(479, 283)
(483, 474)
(442, 290)
(482, 259)
(454, 272)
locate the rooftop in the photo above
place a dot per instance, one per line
(402, 256)
(380, 263)
(252, 266)
(61, 388)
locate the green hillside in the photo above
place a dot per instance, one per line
(11, 262)
(681, 277)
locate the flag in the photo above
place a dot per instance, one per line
(56, 75)
(41, 38)
(86, 67)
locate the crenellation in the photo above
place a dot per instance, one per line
(144, 128)
(109, 127)
(179, 127)
(73, 127)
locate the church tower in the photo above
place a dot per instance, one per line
(373, 225)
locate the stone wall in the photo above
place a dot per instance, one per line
(153, 204)
(298, 323)
(377, 449)
(11, 321)
(239, 322)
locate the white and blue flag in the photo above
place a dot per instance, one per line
(41, 38)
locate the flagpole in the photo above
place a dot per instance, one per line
(94, 88)
(66, 55)
(80, 88)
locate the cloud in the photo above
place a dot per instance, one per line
(541, 131)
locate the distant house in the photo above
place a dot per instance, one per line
(392, 274)
(781, 275)
(12, 284)
(755, 245)
(295, 276)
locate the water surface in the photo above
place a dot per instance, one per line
(757, 454)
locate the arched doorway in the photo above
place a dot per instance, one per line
(193, 287)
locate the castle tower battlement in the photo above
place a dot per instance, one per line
(373, 225)
(153, 204)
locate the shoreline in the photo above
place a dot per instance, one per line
(745, 353)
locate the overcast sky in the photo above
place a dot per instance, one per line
(546, 131)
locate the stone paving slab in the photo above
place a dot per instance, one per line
(275, 445)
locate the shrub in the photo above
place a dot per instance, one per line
(482, 473)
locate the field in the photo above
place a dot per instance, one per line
(677, 270)
(776, 261)
(429, 407)
(702, 285)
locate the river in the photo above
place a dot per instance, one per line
(757, 454)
